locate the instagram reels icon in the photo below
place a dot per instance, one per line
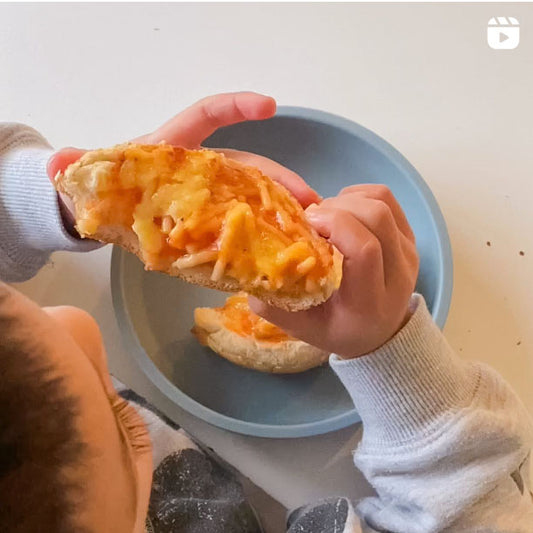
(503, 33)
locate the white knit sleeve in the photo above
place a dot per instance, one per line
(31, 226)
(446, 443)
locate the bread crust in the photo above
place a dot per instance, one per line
(285, 357)
(297, 300)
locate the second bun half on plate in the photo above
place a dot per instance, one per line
(236, 333)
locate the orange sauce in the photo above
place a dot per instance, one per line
(238, 317)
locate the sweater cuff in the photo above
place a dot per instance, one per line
(30, 211)
(409, 385)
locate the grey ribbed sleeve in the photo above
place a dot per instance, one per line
(30, 222)
(446, 443)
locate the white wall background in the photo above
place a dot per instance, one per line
(421, 76)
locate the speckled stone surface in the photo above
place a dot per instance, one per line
(191, 493)
(329, 516)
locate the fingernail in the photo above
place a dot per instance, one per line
(313, 215)
(313, 211)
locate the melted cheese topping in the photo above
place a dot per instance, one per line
(239, 318)
(193, 207)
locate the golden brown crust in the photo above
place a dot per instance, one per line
(201, 275)
(285, 357)
(124, 236)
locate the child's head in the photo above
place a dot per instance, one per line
(73, 455)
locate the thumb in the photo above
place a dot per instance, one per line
(291, 322)
(61, 160)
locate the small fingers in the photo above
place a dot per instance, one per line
(193, 125)
(61, 160)
(383, 194)
(377, 217)
(362, 277)
(363, 256)
(290, 322)
(289, 179)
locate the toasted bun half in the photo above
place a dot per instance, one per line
(207, 219)
(282, 355)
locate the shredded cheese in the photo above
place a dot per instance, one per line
(195, 207)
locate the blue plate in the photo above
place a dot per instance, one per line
(155, 312)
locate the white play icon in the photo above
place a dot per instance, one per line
(503, 33)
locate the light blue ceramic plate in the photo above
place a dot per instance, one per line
(155, 312)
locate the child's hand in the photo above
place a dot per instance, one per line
(191, 127)
(380, 269)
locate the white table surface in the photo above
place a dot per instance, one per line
(421, 76)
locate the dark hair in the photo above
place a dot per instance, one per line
(39, 438)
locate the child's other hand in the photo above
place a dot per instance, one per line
(190, 128)
(368, 226)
